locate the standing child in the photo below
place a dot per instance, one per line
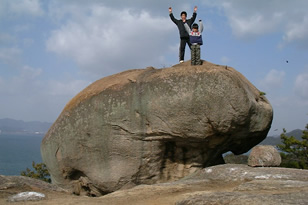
(196, 41)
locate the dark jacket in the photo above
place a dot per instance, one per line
(180, 24)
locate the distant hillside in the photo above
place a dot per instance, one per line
(10, 126)
(271, 140)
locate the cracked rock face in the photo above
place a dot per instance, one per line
(154, 125)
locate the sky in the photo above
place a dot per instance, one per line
(50, 50)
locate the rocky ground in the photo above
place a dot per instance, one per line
(222, 184)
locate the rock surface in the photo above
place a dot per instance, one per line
(154, 125)
(221, 185)
(23, 183)
(236, 159)
(27, 196)
(264, 156)
(20, 188)
(255, 186)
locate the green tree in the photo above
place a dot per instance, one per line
(294, 152)
(40, 172)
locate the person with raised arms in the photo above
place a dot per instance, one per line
(183, 33)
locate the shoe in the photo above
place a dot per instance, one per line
(181, 61)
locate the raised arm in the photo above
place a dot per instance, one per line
(171, 16)
(200, 26)
(193, 18)
(187, 28)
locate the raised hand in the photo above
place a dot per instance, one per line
(195, 9)
(170, 10)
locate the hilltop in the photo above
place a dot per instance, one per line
(275, 140)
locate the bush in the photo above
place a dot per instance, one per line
(294, 152)
(40, 172)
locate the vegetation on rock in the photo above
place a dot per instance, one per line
(294, 152)
(262, 93)
(40, 172)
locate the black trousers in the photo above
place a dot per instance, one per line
(182, 47)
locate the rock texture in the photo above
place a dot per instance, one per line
(252, 186)
(20, 188)
(154, 125)
(27, 196)
(231, 198)
(26, 183)
(264, 156)
(221, 185)
(236, 159)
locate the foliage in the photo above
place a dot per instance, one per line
(262, 93)
(40, 172)
(294, 152)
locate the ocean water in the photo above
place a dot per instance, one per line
(18, 151)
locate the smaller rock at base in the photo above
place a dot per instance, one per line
(27, 196)
(264, 156)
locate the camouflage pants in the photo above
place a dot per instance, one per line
(195, 55)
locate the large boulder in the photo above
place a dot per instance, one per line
(154, 125)
(264, 156)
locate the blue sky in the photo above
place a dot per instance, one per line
(51, 50)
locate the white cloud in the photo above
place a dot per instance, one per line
(29, 73)
(24, 83)
(102, 40)
(29, 96)
(29, 81)
(297, 32)
(19, 28)
(250, 19)
(9, 55)
(274, 79)
(67, 88)
(6, 38)
(301, 86)
(24, 7)
(60, 8)
(61, 11)
(28, 41)
(289, 113)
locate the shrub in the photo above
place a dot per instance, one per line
(294, 152)
(262, 93)
(40, 172)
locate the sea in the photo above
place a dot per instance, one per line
(17, 151)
